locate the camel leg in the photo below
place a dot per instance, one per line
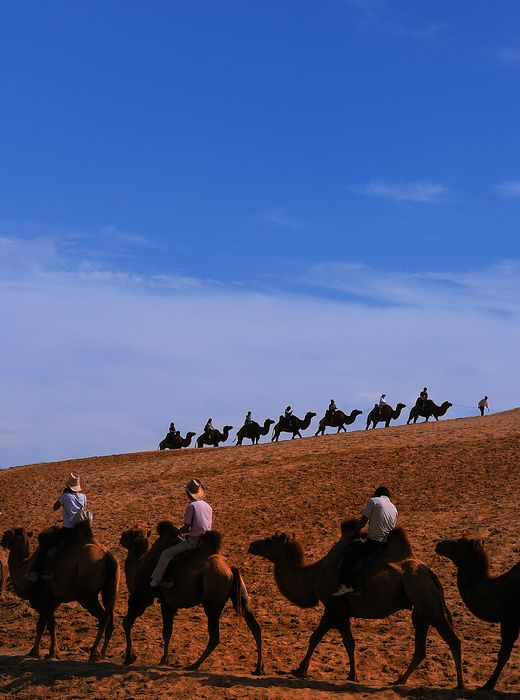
(256, 631)
(445, 629)
(419, 654)
(509, 632)
(94, 607)
(350, 645)
(41, 624)
(168, 613)
(325, 624)
(54, 652)
(137, 604)
(213, 614)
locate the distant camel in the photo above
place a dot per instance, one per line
(204, 577)
(84, 569)
(4, 570)
(338, 420)
(395, 580)
(215, 437)
(253, 431)
(384, 414)
(174, 441)
(427, 409)
(294, 426)
(490, 598)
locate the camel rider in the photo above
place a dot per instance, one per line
(424, 395)
(332, 408)
(483, 404)
(288, 415)
(382, 402)
(71, 500)
(172, 428)
(197, 521)
(381, 516)
(248, 419)
(208, 428)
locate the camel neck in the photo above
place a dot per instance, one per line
(480, 592)
(297, 582)
(18, 567)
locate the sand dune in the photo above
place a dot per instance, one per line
(447, 478)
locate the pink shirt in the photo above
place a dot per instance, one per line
(199, 515)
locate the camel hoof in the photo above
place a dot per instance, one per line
(259, 671)
(33, 654)
(192, 667)
(486, 686)
(130, 659)
(94, 657)
(399, 681)
(164, 661)
(352, 678)
(299, 673)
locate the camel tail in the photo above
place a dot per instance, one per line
(239, 596)
(111, 584)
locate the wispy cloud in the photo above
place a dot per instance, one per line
(381, 16)
(419, 191)
(510, 188)
(111, 231)
(108, 358)
(280, 217)
(509, 55)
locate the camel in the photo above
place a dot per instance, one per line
(294, 426)
(253, 431)
(338, 420)
(215, 437)
(384, 414)
(4, 571)
(427, 409)
(490, 598)
(396, 580)
(84, 569)
(174, 441)
(205, 577)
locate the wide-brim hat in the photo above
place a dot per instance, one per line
(73, 482)
(195, 489)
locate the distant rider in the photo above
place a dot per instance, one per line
(208, 428)
(248, 419)
(382, 403)
(482, 405)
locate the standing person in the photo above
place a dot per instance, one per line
(381, 516)
(483, 404)
(71, 500)
(197, 521)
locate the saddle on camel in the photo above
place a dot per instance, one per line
(397, 580)
(83, 571)
(202, 576)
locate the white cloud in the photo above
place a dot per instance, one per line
(510, 55)
(96, 362)
(508, 189)
(280, 217)
(426, 192)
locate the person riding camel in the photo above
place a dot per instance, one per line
(382, 402)
(424, 395)
(208, 428)
(172, 428)
(197, 521)
(381, 516)
(248, 420)
(72, 500)
(288, 415)
(332, 408)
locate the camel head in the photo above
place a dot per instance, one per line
(446, 404)
(401, 406)
(309, 414)
(190, 435)
(356, 412)
(268, 421)
(17, 540)
(134, 537)
(466, 551)
(275, 547)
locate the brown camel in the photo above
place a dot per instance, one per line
(215, 437)
(396, 580)
(384, 414)
(253, 431)
(338, 420)
(4, 570)
(84, 569)
(490, 598)
(427, 409)
(293, 426)
(203, 577)
(174, 441)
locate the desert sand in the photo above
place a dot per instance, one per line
(447, 478)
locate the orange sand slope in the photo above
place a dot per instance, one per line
(446, 478)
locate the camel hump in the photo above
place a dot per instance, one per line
(398, 544)
(210, 543)
(166, 527)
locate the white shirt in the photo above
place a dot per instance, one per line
(382, 517)
(71, 503)
(199, 515)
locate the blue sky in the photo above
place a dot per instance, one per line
(191, 187)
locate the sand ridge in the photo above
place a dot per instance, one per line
(447, 478)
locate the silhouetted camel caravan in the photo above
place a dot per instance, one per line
(292, 425)
(202, 577)
(83, 570)
(338, 420)
(384, 414)
(253, 431)
(427, 409)
(175, 441)
(490, 598)
(215, 437)
(397, 580)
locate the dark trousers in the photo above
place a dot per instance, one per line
(481, 409)
(354, 552)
